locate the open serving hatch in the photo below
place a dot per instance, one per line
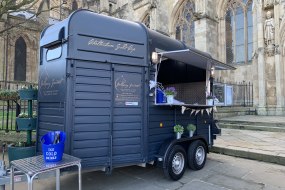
(189, 72)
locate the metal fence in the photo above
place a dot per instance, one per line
(234, 94)
(228, 94)
(10, 109)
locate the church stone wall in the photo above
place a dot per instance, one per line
(266, 70)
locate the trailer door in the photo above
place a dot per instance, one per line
(128, 114)
(108, 116)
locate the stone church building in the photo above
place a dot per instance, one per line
(248, 34)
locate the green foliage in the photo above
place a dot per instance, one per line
(170, 91)
(9, 95)
(25, 115)
(25, 87)
(191, 127)
(210, 97)
(23, 144)
(178, 129)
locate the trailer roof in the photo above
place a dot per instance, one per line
(196, 58)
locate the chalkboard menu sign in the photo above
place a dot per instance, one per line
(219, 92)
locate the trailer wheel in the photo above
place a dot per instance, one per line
(197, 155)
(175, 163)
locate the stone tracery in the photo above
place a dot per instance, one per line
(239, 31)
(184, 24)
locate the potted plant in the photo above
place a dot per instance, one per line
(28, 93)
(178, 129)
(191, 128)
(9, 95)
(170, 92)
(210, 99)
(25, 122)
(21, 150)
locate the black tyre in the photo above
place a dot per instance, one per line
(197, 155)
(175, 163)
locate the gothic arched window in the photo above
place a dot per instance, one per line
(239, 33)
(74, 5)
(20, 60)
(249, 32)
(184, 25)
(146, 20)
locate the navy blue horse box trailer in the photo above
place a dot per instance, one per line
(98, 82)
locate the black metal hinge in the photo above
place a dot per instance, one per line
(68, 75)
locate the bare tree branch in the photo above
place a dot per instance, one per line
(25, 20)
(25, 9)
(11, 5)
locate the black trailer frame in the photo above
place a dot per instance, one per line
(94, 85)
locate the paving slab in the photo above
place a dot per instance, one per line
(201, 185)
(258, 145)
(220, 173)
(256, 118)
(234, 182)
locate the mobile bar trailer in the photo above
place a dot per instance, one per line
(99, 79)
(94, 83)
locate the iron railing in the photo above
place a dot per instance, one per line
(228, 94)
(234, 94)
(10, 109)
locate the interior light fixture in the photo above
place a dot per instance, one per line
(212, 71)
(155, 57)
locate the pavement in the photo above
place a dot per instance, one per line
(261, 144)
(220, 172)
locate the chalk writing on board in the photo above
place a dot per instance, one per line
(219, 92)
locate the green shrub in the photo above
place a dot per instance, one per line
(178, 129)
(9, 95)
(191, 127)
